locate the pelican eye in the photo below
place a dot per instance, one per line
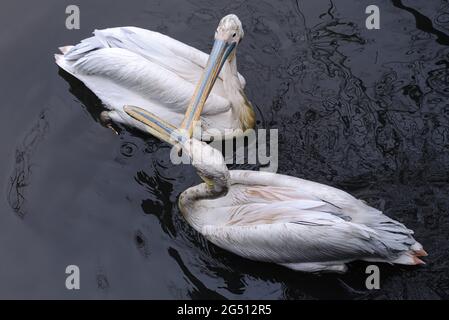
(234, 35)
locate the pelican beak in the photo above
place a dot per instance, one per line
(155, 125)
(220, 52)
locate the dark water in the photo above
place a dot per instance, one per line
(363, 110)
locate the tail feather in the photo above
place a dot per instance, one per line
(58, 58)
(421, 253)
(84, 47)
(65, 49)
(397, 240)
(62, 62)
(408, 258)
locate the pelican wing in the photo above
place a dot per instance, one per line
(117, 74)
(354, 209)
(300, 236)
(338, 202)
(287, 220)
(120, 77)
(171, 54)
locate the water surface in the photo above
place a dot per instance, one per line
(363, 110)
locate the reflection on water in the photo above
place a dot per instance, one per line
(365, 111)
(23, 166)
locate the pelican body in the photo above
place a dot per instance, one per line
(134, 66)
(299, 224)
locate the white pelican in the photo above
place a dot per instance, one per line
(300, 224)
(133, 66)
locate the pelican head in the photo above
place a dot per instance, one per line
(209, 164)
(227, 36)
(230, 29)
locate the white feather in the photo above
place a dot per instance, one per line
(133, 66)
(298, 223)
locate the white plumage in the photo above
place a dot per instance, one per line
(300, 224)
(134, 66)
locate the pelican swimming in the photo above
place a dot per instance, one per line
(262, 216)
(134, 66)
